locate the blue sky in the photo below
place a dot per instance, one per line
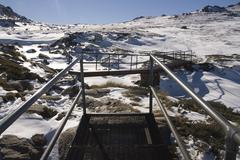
(103, 11)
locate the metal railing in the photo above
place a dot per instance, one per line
(172, 127)
(133, 61)
(59, 130)
(232, 132)
(12, 117)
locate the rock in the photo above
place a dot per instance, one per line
(12, 147)
(64, 142)
(184, 27)
(44, 111)
(20, 85)
(45, 62)
(60, 116)
(31, 51)
(11, 96)
(97, 92)
(71, 91)
(43, 56)
(39, 140)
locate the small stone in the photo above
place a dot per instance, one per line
(39, 140)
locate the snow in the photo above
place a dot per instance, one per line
(206, 34)
(219, 85)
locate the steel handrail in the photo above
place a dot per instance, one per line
(12, 117)
(172, 127)
(226, 125)
(59, 130)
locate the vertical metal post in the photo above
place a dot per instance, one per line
(96, 57)
(109, 62)
(231, 147)
(151, 78)
(131, 63)
(191, 56)
(82, 84)
(136, 61)
(118, 62)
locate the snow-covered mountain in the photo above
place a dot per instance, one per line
(30, 53)
(8, 17)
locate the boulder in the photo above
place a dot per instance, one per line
(15, 148)
(43, 56)
(97, 92)
(31, 51)
(71, 91)
(20, 85)
(60, 116)
(39, 140)
(44, 111)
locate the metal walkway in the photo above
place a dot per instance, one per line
(118, 137)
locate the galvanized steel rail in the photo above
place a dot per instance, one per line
(59, 130)
(12, 117)
(232, 132)
(172, 127)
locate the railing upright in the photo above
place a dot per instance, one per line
(82, 84)
(151, 77)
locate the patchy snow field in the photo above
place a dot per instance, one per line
(203, 33)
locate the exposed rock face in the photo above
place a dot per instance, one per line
(8, 17)
(214, 9)
(14, 148)
(65, 140)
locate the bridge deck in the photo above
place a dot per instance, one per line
(118, 138)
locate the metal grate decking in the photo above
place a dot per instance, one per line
(133, 137)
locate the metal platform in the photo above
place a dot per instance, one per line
(120, 137)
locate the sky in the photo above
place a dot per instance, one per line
(103, 11)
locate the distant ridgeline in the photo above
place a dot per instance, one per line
(8, 17)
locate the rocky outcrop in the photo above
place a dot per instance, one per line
(15, 148)
(214, 9)
(9, 13)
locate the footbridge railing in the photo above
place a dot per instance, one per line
(232, 138)
(12, 117)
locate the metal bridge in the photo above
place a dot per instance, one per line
(124, 136)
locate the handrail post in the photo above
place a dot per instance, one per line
(82, 84)
(109, 62)
(231, 146)
(96, 57)
(151, 84)
(131, 63)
